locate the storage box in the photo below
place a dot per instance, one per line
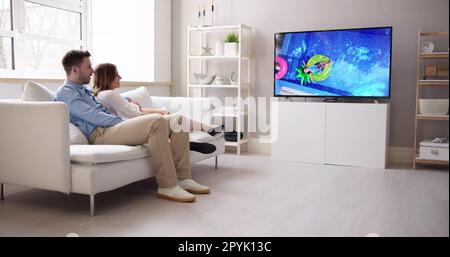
(435, 71)
(433, 106)
(442, 71)
(433, 151)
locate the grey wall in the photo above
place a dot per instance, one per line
(268, 17)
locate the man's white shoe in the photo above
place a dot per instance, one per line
(193, 187)
(176, 193)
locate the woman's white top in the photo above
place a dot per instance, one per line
(118, 105)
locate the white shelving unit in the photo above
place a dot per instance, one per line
(198, 63)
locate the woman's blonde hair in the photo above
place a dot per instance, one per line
(104, 75)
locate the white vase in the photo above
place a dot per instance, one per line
(231, 49)
(219, 48)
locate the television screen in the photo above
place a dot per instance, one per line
(334, 63)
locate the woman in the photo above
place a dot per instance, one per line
(107, 78)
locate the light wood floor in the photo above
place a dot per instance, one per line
(251, 196)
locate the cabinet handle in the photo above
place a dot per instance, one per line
(434, 151)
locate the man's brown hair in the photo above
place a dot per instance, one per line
(73, 58)
(104, 75)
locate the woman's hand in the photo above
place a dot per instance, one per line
(136, 103)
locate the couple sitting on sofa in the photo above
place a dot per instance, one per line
(110, 120)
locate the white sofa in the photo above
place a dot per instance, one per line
(40, 148)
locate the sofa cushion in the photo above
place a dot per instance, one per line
(36, 92)
(76, 136)
(139, 95)
(94, 154)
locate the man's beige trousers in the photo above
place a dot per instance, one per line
(169, 158)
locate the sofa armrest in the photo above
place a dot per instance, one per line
(34, 145)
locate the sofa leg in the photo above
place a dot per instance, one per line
(92, 212)
(216, 163)
(2, 196)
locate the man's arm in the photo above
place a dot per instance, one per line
(82, 110)
(79, 108)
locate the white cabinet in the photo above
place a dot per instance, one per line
(300, 135)
(350, 134)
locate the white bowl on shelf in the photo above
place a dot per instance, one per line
(433, 106)
(204, 79)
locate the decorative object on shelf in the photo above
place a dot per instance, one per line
(204, 79)
(442, 71)
(206, 16)
(440, 140)
(231, 44)
(213, 16)
(219, 81)
(206, 51)
(219, 47)
(233, 78)
(433, 106)
(200, 21)
(232, 136)
(435, 71)
(427, 47)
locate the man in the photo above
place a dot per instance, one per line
(170, 159)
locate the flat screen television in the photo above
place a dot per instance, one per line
(333, 63)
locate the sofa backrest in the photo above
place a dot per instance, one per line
(36, 92)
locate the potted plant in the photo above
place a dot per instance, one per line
(231, 44)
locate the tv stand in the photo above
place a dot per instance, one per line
(350, 134)
(330, 100)
(375, 101)
(288, 99)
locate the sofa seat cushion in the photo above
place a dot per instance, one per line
(95, 154)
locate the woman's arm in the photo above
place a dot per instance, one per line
(152, 111)
(122, 107)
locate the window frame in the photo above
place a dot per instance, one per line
(18, 34)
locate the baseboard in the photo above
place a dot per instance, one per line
(403, 155)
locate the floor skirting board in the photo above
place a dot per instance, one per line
(402, 155)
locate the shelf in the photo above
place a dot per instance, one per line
(200, 57)
(217, 28)
(433, 83)
(432, 117)
(430, 162)
(441, 55)
(228, 112)
(242, 141)
(244, 86)
(433, 34)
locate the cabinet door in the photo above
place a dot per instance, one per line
(357, 134)
(300, 135)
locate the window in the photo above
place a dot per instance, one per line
(35, 34)
(126, 28)
(134, 35)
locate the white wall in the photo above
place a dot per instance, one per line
(268, 17)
